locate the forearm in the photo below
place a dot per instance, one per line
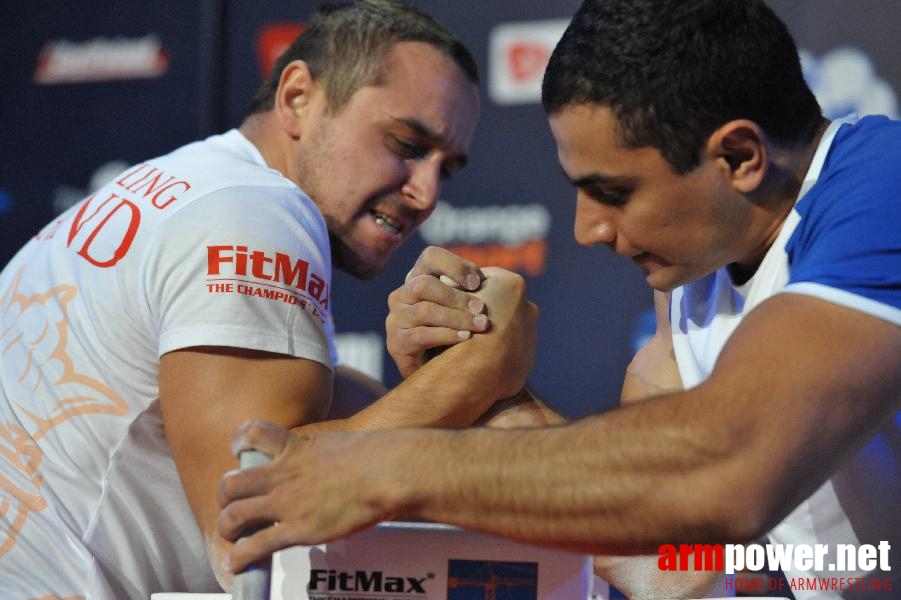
(672, 469)
(522, 410)
(603, 485)
(543, 485)
(675, 468)
(452, 390)
(637, 577)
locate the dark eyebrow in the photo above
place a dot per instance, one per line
(453, 163)
(420, 128)
(594, 179)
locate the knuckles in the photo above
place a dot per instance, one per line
(502, 283)
(434, 259)
(432, 255)
(421, 312)
(228, 488)
(419, 285)
(516, 283)
(230, 521)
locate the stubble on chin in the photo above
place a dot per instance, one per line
(346, 259)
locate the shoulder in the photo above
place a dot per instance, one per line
(215, 165)
(231, 190)
(856, 191)
(849, 233)
(863, 159)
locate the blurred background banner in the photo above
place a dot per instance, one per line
(94, 87)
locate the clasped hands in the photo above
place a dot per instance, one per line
(329, 485)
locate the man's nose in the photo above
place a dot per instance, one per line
(594, 222)
(421, 189)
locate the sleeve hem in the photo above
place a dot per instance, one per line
(847, 299)
(250, 339)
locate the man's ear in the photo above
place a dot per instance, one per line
(740, 148)
(293, 97)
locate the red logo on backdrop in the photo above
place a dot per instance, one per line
(527, 60)
(272, 42)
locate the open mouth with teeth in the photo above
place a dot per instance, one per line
(386, 222)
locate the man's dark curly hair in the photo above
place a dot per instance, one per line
(673, 71)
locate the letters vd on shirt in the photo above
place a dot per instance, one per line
(105, 226)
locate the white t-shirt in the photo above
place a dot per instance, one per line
(841, 243)
(204, 246)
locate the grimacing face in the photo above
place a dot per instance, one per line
(374, 167)
(675, 228)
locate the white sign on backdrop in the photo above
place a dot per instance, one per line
(517, 56)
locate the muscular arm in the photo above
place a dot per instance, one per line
(206, 392)
(668, 469)
(673, 468)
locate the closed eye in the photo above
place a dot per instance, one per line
(606, 189)
(607, 197)
(412, 149)
(406, 148)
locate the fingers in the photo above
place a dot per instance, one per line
(249, 497)
(238, 517)
(426, 313)
(502, 288)
(435, 261)
(413, 342)
(425, 301)
(245, 483)
(313, 491)
(252, 435)
(262, 543)
(510, 345)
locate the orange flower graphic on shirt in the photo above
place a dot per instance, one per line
(38, 372)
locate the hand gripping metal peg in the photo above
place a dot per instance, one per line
(253, 582)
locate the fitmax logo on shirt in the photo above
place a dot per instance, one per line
(330, 580)
(275, 268)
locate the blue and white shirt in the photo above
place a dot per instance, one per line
(841, 243)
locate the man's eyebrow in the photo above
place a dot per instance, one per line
(454, 163)
(420, 128)
(596, 178)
